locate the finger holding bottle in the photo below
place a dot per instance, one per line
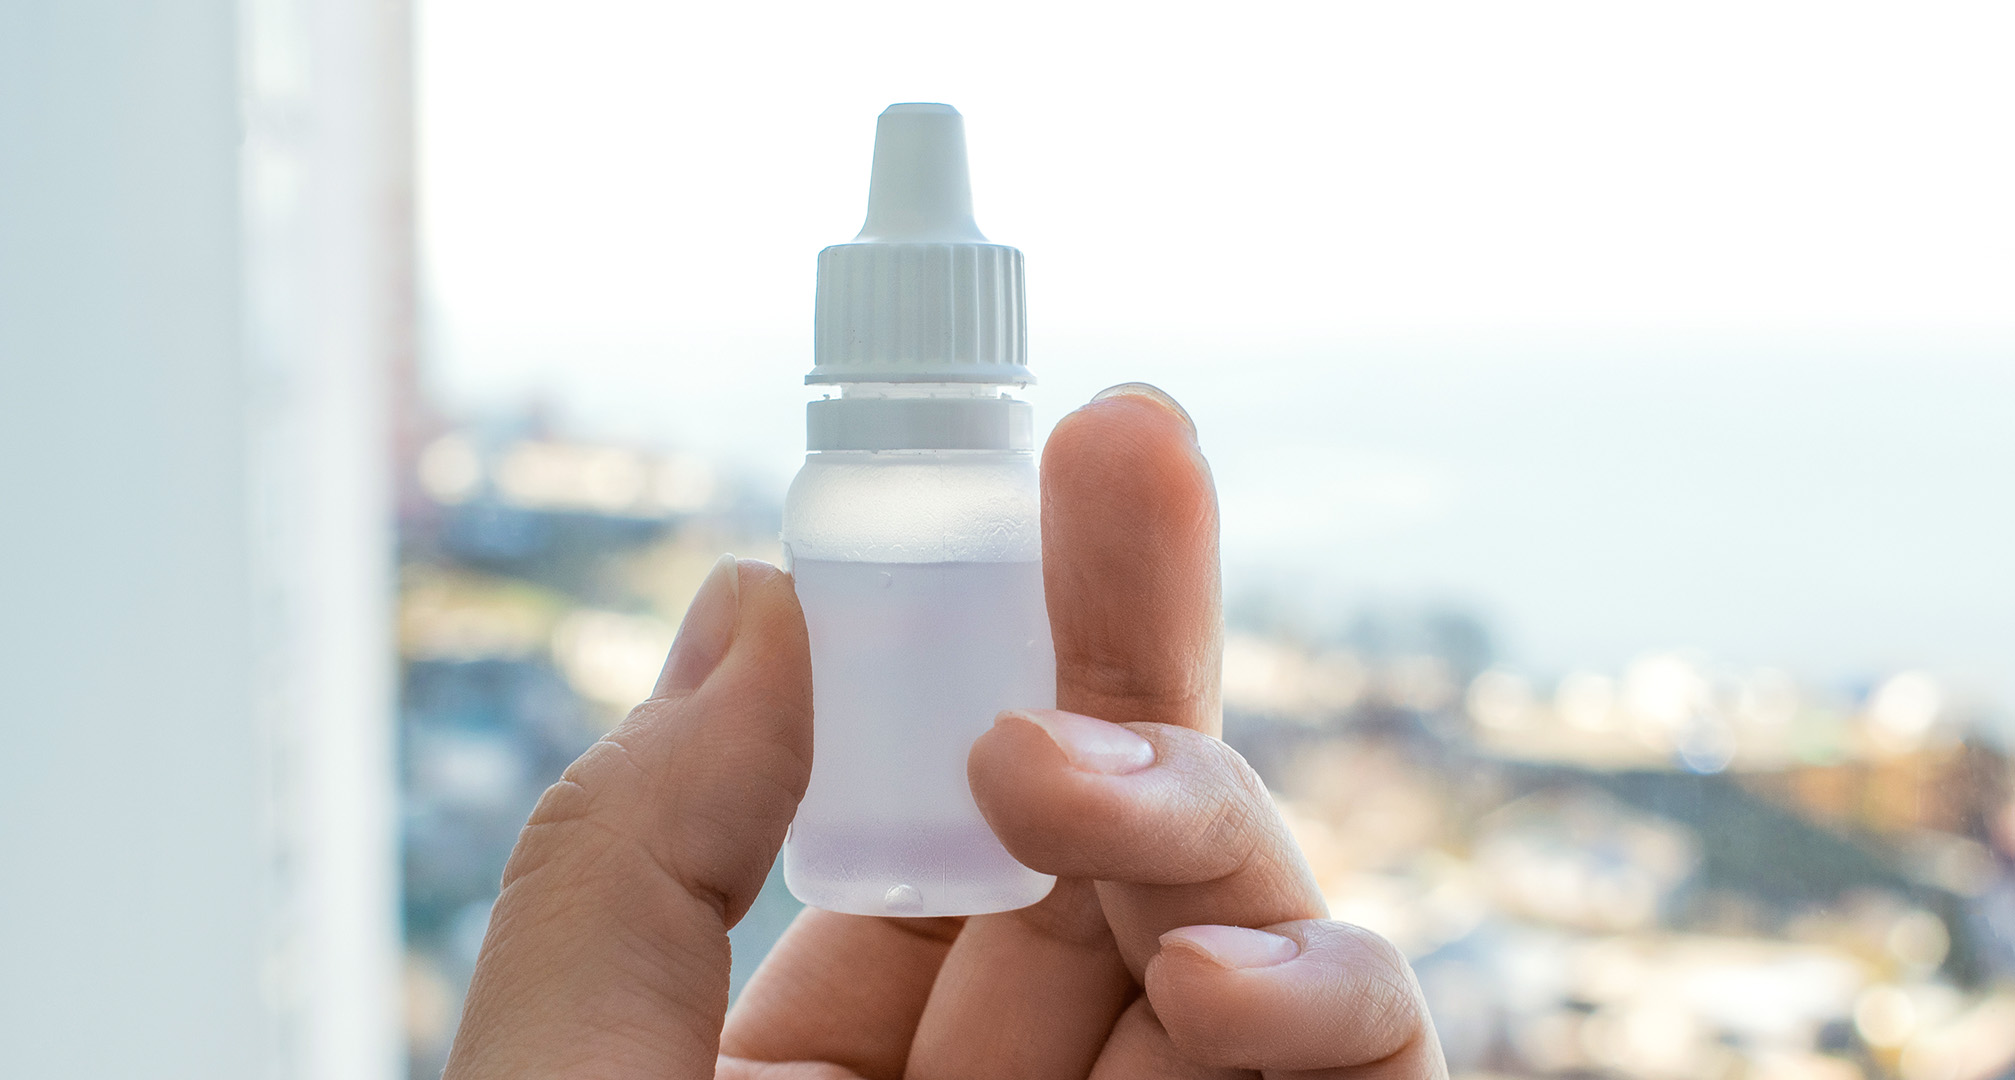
(1207, 896)
(607, 950)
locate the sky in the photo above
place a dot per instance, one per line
(1625, 326)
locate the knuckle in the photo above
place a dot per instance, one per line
(1109, 681)
(575, 818)
(1229, 840)
(582, 786)
(1237, 825)
(564, 813)
(1380, 991)
(561, 831)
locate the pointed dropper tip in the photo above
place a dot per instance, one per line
(921, 191)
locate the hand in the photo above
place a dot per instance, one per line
(1185, 937)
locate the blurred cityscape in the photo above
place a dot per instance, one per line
(1673, 870)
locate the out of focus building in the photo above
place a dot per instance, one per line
(1674, 870)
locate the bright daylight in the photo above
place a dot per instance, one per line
(1091, 541)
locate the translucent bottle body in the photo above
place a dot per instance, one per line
(920, 576)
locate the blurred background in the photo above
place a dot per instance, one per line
(1612, 406)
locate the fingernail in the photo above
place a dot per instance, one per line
(1153, 393)
(1235, 946)
(706, 632)
(1091, 744)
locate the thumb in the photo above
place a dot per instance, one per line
(607, 953)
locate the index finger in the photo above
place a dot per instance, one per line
(1130, 562)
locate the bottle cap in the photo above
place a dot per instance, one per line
(920, 295)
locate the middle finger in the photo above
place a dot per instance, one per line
(1173, 825)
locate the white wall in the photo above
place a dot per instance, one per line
(194, 725)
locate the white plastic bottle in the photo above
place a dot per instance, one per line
(913, 535)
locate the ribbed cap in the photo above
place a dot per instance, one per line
(920, 295)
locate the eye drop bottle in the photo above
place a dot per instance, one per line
(913, 535)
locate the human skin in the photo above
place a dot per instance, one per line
(1185, 936)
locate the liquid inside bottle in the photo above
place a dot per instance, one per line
(910, 663)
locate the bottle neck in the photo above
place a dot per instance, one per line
(919, 416)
